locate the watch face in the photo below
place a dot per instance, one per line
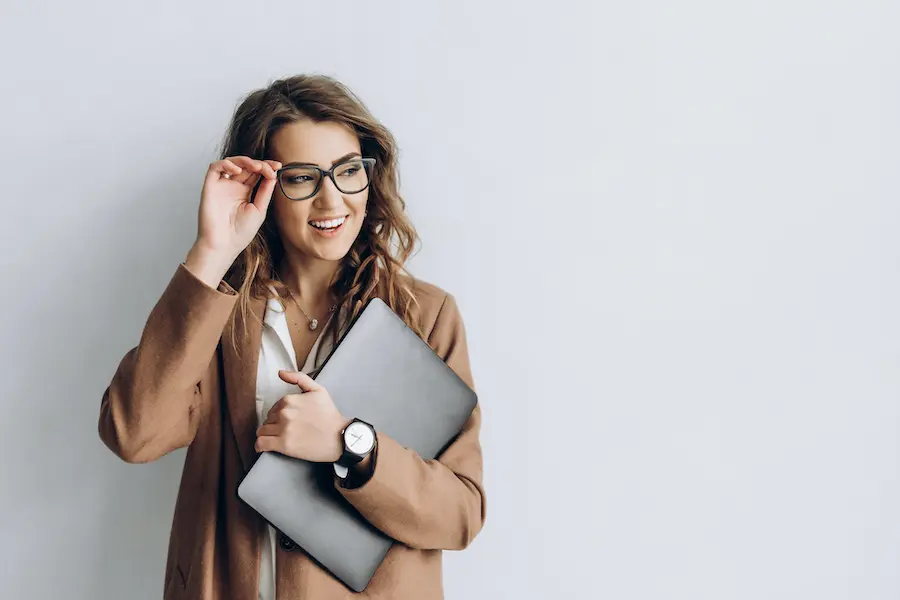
(359, 438)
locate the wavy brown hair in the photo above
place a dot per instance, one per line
(375, 264)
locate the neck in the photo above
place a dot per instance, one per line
(309, 278)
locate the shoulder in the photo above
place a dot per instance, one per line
(443, 326)
(429, 295)
(434, 302)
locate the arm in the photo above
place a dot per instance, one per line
(153, 404)
(428, 504)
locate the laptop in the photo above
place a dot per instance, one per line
(386, 375)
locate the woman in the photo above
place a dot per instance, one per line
(300, 223)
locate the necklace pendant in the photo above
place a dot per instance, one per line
(313, 324)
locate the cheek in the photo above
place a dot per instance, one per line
(358, 202)
(291, 216)
(359, 211)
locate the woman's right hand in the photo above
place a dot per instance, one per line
(228, 221)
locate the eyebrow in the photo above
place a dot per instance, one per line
(334, 162)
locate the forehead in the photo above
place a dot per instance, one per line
(310, 142)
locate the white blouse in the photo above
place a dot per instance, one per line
(277, 352)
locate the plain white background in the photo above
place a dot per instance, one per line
(671, 228)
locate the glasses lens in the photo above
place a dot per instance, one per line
(352, 176)
(299, 182)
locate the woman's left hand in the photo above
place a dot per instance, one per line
(306, 426)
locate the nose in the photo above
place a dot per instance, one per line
(329, 197)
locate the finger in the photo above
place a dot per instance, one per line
(264, 196)
(268, 429)
(269, 443)
(275, 411)
(230, 168)
(245, 162)
(261, 169)
(287, 407)
(236, 172)
(218, 169)
(253, 170)
(269, 168)
(304, 381)
(281, 409)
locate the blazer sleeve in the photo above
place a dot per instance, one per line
(429, 504)
(152, 405)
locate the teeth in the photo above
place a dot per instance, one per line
(328, 224)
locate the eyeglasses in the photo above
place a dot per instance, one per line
(303, 182)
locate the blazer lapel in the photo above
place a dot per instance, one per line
(240, 376)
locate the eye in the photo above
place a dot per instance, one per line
(350, 171)
(299, 179)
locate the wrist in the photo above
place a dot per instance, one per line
(360, 473)
(208, 265)
(341, 423)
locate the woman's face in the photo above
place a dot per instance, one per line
(326, 225)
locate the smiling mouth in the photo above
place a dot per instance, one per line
(329, 224)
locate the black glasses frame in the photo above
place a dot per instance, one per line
(369, 166)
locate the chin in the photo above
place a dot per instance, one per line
(333, 256)
(332, 250)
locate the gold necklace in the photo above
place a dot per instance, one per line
(313, 323)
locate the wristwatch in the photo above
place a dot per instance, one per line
(358, 439)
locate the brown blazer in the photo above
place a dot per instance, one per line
(184, 385)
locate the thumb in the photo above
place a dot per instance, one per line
(304, 381)
(266, 189)
(264, 195)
